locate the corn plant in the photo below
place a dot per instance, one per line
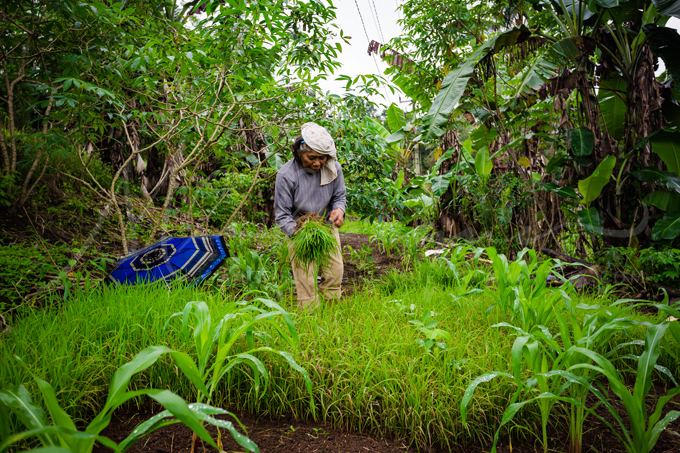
(546, 360)
(411, 244)
(537, 357)
(388, 238)
(645, 429)
(214, 342)
(521, 291)
(257, 274)
(62, 435)
(594, 333)
(250, 267)
(567, 372)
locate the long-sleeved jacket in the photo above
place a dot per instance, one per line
(299, 192)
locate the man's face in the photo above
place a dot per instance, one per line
(313, 160)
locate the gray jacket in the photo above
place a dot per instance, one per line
(298, 192)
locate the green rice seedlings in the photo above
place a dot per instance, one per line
(313, 241)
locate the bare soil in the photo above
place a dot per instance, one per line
(286, 434)
(276, 435)
(357, 273)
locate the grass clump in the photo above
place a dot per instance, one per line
(313, 241)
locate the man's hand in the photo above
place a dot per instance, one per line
(337, 217)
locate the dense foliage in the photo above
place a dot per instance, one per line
(566, 117)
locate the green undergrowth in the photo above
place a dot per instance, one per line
(368, 228)
(392, 359)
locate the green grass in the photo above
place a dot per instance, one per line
(368, 370)
(365, 227)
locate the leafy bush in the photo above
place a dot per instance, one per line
(660, 266)
(219, 197)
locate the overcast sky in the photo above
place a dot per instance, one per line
(381, 27)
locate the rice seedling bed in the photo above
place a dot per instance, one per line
(372, 368)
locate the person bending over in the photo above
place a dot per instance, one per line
(312, 182)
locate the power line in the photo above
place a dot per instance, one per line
(382, 36)
(368, 41)
(362, 22)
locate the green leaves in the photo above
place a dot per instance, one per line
(608, 3)
(643, 381)
(611, 96)
(17, 399)
(664, 42)
(454, 84)
(668, 7)
(439, 185)
(652, 174)
(667, 145)
(395, 118)
(535, 75)
(668, 227)
(180, 409)
(663, 199)
(592, 186)
(564, 192)
(452, 89)
(581, 141)
(214, 342)
(592, 220)
(467, 396)
(483, 164)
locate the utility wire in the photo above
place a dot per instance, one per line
(368, 41)
(377, 18)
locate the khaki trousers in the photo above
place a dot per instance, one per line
(305, 279)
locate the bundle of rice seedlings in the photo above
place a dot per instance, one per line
(313, 241)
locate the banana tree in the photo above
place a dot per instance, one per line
(611, 94)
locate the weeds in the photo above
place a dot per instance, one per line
(362, 258)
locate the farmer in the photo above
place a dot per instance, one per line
(312, 182)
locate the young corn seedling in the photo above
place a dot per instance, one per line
(387, 236)
(521, 289)
(566, 372)
(61, 434)
(594, 333)
(527, 348)
(214, 343)
(645, 429)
